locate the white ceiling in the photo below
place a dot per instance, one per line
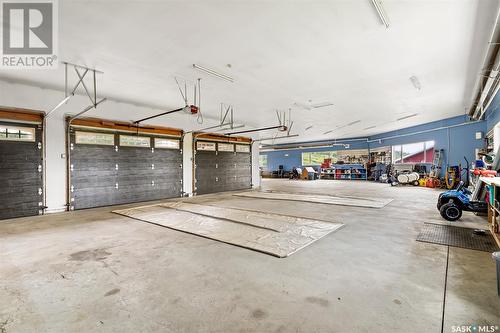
(281, 53)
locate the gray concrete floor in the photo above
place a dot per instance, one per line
(94, 271)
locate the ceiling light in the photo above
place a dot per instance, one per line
(354, 122)
(330, 131)
(364, 129)
(416, 83)
(303, 106)
(308, 128)
(213, 73)
(321, 105)
(406, 117)
(381, 12)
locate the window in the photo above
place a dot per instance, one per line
(167, 143)
(225, 147)
(263, 161)
(91, 138)
(420, 152)
(243, 148)
(210, 146)
(16, 133)
(135, 141)
(317, 158)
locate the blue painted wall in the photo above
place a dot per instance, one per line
(456, 136)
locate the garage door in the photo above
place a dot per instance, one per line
(110, 168)
(21, 177)
(222, 166)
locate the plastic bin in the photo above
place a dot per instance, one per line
(496, 256)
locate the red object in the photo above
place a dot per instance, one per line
(484, 173)
(327, 163)
(194, 109)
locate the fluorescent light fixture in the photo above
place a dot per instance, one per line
(309, 127)
(416, 83)
(343, 126)
(381, 12)
(213, 73)
(364, 129)
(303, 106)
(321, 105)
(406, 117)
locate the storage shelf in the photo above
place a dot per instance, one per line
(493, 219)
(345, 172)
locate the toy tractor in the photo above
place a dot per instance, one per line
(451, 203)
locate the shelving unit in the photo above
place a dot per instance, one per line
(494, 207)
(345, 172)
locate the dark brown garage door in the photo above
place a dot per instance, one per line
(21, 177)
(110, 168)
(222, 166)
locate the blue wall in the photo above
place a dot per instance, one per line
(455, 135)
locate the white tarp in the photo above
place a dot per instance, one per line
(318, 198)
(274, 234)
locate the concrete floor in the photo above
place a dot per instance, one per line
(93, 271)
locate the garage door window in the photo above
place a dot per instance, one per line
(135, 141)
(167, 143)
(16, 133)
(242, 149)
(225, 147)
(92, 138)
(210, 146)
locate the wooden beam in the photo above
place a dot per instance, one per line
(220, 137)
(21, 114)
(127, 127)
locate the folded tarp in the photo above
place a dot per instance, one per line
(316, 198)
(275, 234)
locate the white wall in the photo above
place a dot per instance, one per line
(255, 165)
(35, 98)
(187, 164)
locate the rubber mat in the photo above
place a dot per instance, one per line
(456, 237)
(318, 198)
(274, 234)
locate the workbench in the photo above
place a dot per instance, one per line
(494, 206)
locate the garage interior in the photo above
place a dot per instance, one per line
(242, 166)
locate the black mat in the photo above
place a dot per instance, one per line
(457, 237)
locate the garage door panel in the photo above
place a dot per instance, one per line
(167, 153)
(20, 176)
(20, 210)
(20, 183)
(32, 200)
(94, 151)
(10, 156)
(168, 168)
(134, 177)
(232, 170)
(89, 182)
(78, 175)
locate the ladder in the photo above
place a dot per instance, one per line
(436, 163)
